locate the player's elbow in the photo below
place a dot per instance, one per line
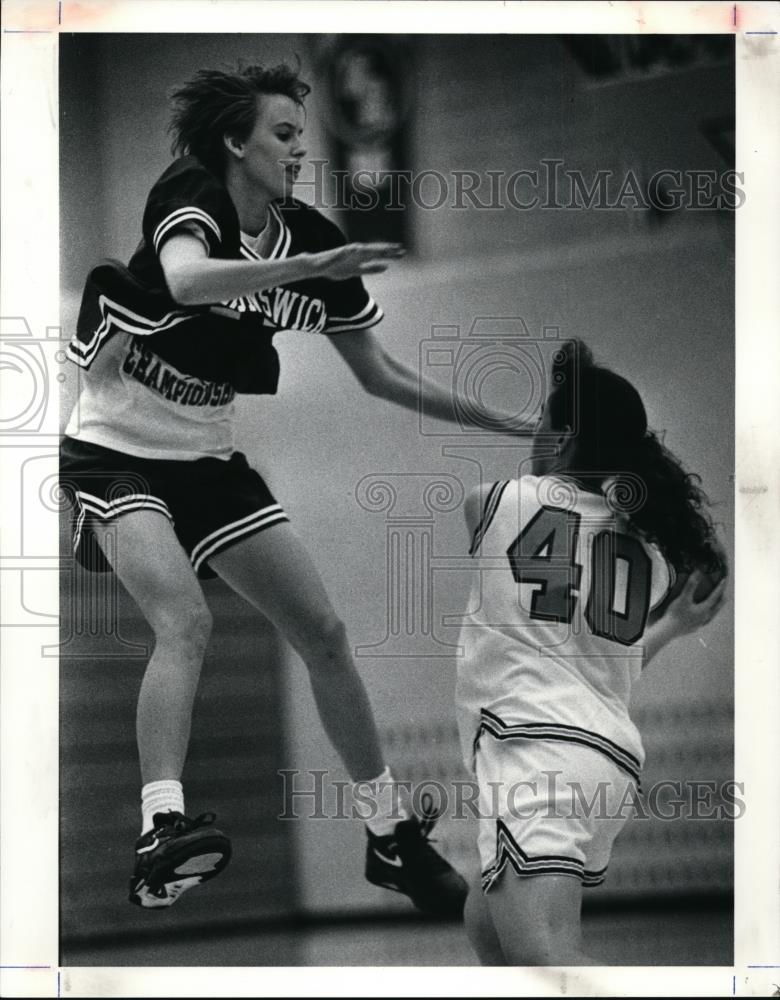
(182, 288)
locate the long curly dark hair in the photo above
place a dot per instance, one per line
(215, 103)
(614, 443)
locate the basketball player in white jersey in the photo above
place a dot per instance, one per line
(583, 569)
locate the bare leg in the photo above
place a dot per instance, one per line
(479, 927)
(154, 568)
(274, 572)
(538, 919)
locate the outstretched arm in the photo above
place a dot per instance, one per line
(383, 376)
(194, 278)
(682, 616)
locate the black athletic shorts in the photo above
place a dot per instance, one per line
(211, 503)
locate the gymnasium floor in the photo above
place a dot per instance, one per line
(674, 935)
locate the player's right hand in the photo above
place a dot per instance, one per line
(356, 259)
(685, 614)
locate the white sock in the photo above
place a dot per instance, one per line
(378, 803)
(160, 797)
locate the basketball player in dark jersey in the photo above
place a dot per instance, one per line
(227, 260)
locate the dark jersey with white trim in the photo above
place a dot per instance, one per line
(562, 588)
(160, 378)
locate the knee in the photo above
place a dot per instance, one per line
(322, 642)
(530, 953)
(188, 628)
(528, 932)
(528, 943)
(474, 914)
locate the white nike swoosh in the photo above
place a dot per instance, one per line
(396, 862)
(151, 847)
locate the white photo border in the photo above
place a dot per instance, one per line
(29, 693)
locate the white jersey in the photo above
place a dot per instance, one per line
(135, 402)
(561, 591)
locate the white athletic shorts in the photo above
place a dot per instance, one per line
(548, 808)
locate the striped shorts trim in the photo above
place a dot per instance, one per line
(548, 808)
(224, 537)
(88, 504)
(501, 730)
(509, 852)
(211, 503)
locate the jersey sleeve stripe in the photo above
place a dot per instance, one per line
(488, 513)
(189, 214)
(196, 231)
(366, 318)
(117, 317)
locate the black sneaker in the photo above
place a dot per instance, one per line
(404, 861)
(178, 854)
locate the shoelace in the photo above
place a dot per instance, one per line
(428, 815)
(185, 825)
(426, 821)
